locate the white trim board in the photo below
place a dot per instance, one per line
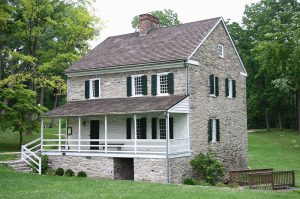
(244, 73)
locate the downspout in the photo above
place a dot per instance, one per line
(186, 65)
(167, 147)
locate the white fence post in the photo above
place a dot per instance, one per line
(105, 131)
(135, 132)
(42, 134)
(79, 133)
(59, 134)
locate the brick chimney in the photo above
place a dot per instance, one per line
(147, 22)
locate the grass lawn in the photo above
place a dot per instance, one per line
(275, 149)
(21, 185)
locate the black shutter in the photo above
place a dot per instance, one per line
(227, 87)
(144, 85)
(171, 128)
(128, 128)
(211, 84)
(233, 89)
(154, 85)
(129, 86)
(209, 130)
(218, 130)
(87, 89)
(154, 128)
(96, 88)
(143, 128)
(170, 83)
(217, 86)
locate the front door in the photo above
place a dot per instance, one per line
(94, 134)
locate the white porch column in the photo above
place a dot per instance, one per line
(105, 133)
(167, 146)
(188, 130)
(59, 134)
(135, 133)
(42, 133)
(79, 133)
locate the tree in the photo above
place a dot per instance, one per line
(166, 18)
(14, 115)
(270, 36)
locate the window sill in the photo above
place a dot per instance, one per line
(163, 94)
(230, 97)
(212, 95)
(213, 142)
(92, 98)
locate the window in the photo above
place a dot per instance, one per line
(221, 50)
(214, 130)
(213, 86)
(162, 84)
(162, 128)
(139, 128)
(137, 85)
(92, 88)
(230, 88)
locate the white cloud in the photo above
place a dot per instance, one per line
(118, 14)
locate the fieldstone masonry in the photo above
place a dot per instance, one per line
(232, 148)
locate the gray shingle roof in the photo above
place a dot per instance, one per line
(115, 106)
(159, 45)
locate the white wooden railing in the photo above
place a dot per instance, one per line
(29, 155)
(130, 146)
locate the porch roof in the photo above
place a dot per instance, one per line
(115, 106)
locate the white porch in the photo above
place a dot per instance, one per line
(164, 138)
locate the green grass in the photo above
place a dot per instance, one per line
(275, 149)
(19, 185)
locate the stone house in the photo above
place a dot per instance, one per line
(140, 106)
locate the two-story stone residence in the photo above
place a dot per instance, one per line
(140, 106)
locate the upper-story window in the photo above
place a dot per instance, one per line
(162, 84)
(221, 50)
(137, 85)
(213, 130)
(213, 86)
(230, 88)
(92, 88)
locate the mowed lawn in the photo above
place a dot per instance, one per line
(275, 149)
(21, 185)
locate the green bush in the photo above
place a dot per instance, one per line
(44, 165)
(220, 184)
(69, 173)
(233, 185)
(208, 167)
(59, 172)
(190, 181)
(81, 174)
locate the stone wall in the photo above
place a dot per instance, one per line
(101, 167)
(115, 85)
(232, 148)
(150, 169)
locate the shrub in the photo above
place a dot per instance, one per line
(59, 172)
(190, 181)
(233, 185)
(208, 167)
(81, 174)
(220, 184)
(44, 165)
(69, 173)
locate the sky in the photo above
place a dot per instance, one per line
(117, 14)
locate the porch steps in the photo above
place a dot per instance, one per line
(19, 165)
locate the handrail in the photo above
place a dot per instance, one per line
(28, 156)
(32, 142)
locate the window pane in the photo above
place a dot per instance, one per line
(93, 89)
(138, 129)
(162, 128)
(163, 82)
(138, 85)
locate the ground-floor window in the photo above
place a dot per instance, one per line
(162, 128)
(139, 128)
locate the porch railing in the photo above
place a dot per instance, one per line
(29, 154)
(132, 146)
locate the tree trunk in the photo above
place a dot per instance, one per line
(267, 119)
(42, 96)
(54, 106)
(279, 113)
(20, 140)
(298, 110)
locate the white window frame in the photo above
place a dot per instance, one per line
(138, 128)
(158, 126)
(221, 47)
(230, 89)
(91, 88)
(214, 130)
(133, 87)
(158, 84)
